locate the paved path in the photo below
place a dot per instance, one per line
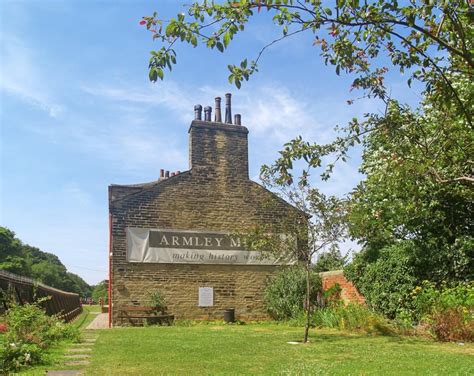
(100, 322)
(78, 355)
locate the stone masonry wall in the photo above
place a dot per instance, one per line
(214, 195)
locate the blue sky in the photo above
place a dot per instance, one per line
(78, 113)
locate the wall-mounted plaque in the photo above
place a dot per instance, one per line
(206, 296)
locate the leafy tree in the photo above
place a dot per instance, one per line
(11, 256)
(330, 260)
(100, 291)
(417, 197)
(286, 292)
(29, 261)
(408, 193)
(431, 41)
(320, 224)
(77, 284)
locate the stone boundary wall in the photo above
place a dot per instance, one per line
(349, 293)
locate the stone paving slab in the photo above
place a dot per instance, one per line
(68, 372)
(79, 350)
(100, 322)
(77, 363)
(76, 356)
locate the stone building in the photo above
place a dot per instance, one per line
(173, 235)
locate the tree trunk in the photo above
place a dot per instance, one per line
(308, 308)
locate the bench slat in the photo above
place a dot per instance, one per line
(141, 308)
(143, 312)
(147, 316)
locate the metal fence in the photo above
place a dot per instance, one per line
(14, 288)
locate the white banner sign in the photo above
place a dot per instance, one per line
(191, 247)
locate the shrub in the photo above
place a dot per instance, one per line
(29, 323)
(30, 332)
(428, 297)
(285, 293)
(448, 311)
(452, 324)
(14, 356)
(386, 274)
(351, 317)
(387, 280)
(157, 299)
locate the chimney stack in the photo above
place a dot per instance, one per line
(218, 114)
(207, 113)
(197, 112)
(228, 109)
(237, 119)
(167, 174)
(162, 174)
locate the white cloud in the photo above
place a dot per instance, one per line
(166, 94)
(130, 144)
(273, 113)
(74, 192)
(22, 77)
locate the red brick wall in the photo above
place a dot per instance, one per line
(349, 292)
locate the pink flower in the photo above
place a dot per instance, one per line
(142, 22)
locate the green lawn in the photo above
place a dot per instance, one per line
(263, 349)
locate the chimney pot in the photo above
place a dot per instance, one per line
(167, 174)
(228, 109)
(207, 113)
(197, 112)
(172, 174)
(162, 173)
(238, 119)
(218, 114)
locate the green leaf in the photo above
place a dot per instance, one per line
(226, 39)
(220, 47)
(152, 75)
(159, 73)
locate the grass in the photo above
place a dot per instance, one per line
(263, 349)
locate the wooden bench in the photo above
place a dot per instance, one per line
(153, 315)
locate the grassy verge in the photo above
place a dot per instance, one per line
(88, 314)
(263, 349)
